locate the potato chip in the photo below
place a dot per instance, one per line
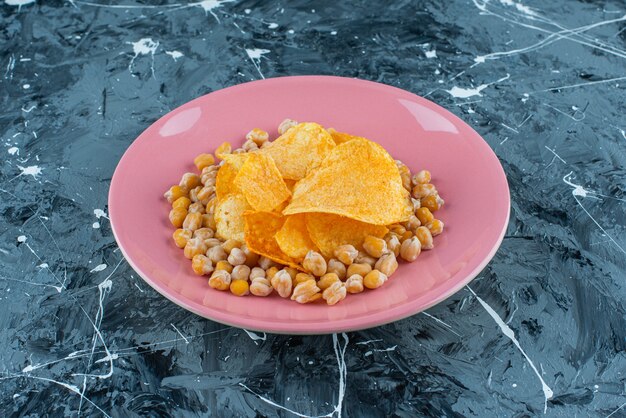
(300, 150)
(228, 217)
(359, 180)
(293, 238)
(290, 184)
(224, 182)
(260, 228)
(261, 183)
(329, 231)
(341, 137)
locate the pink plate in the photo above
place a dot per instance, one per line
(415, 130)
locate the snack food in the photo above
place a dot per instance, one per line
(315, 215)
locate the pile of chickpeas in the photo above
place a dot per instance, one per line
(232, 266)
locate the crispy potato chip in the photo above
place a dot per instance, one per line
(330, 231)
(341, 137)
(359, 180)
(260, 228)
(261, 183)
(293, 238)
(224, 182)
(300, 150)
(229, 217)
(280, 208)
(290, 184)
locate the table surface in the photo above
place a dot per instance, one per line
(540, 331)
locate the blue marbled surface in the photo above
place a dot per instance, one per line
(540, 332)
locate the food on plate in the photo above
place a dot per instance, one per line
(315, 215)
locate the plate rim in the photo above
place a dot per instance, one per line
(244, 323)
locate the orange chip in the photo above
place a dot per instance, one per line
(229, 217)
(359, 180)
(261, 183)
(260, 228)
(290, 184)
(300, 150)
(293, 238)
(341, 137)
(330, 231)
(224, 182)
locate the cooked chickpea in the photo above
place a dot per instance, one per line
(177, 216)
(422, 177)
(416, 203)
(412, 223)
(208, 221)
(182, 202)
(306, 292)
(303, 277)
(374, 246)
(196, 207)
(260, 286)
(374, 279)
(208, 175)
(420, 191)
(426, 238)
(194, 247)
(220, 280)
(204, 234)
(440, 202)
(193, 194)
(192, 221)
(201, 265)
(285, 125)
(249, 145)
(424, 215)
(363, 258)
(282, 283)
(346, 254)
(354, 284)
(405, 175)
(241, 272)
(239, 287)
(431, 202)
(411, 249)
(265, 263)
(435, 227)
(252, 259)
(270, 272)
(181, 236)
(236, 257)
(212, 242)
(224, 149)
(337, 267)
(393, 244)
(216, 254)
(189, 181)
(314, 263)
(335, 293)
(257, 272)
(224, 265)
(205, 194)
(405, 236)
(258, 136)
(397, 229)
(174, 193)
(358, 268)
(387, 264)
(292, 272)
(326, 280)
(230, 244)
(203, 160)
